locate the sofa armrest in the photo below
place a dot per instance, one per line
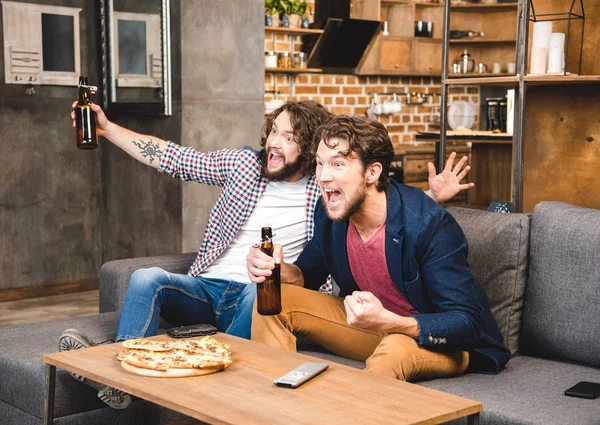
(115, 275)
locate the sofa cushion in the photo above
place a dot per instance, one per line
(22, 375)
(561, 303)
(23, 370)
(115, 275)
(139, 412)
(498, 256)
(529, 391)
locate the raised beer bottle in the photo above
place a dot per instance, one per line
(268, 293)
(85, 118)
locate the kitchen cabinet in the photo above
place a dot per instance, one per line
(400, 52)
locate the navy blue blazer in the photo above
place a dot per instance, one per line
(426, 254)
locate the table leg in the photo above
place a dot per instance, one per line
(473, 419)
(49, 400)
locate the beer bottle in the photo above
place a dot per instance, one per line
(268, 293)
(85, 118)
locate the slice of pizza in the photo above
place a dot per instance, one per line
(147, 344)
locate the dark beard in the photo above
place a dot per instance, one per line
(287, 171)
(354, 206)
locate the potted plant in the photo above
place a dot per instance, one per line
(295, 10)
(273, 8)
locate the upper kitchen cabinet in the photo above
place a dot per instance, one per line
(410, 42)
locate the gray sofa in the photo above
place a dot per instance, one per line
(540, 271)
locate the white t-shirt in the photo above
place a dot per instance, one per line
(282, 207)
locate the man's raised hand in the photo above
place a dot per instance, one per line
(102, 123)
(446, 185)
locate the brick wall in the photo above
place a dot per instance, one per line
(349, 94)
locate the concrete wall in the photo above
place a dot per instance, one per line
(63, 212)
(222, 78)
(141, 210)
(50, 197)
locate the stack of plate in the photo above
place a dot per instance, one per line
(461, 114)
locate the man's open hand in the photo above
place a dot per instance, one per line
(446, 185)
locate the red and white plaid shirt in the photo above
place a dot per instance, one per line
(238, 172)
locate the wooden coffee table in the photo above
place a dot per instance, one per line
(245, 394)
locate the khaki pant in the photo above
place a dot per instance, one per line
(322, 318)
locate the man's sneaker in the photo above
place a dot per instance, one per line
(72, 339)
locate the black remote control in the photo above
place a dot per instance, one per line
(192, 330)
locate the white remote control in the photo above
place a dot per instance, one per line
(298, 376)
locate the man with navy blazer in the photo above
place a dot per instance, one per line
(408, 304)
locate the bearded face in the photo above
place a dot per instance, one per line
(282, 160)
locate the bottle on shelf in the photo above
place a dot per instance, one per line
(456, 34)
(268, 293)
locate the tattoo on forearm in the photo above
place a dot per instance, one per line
(148, 149)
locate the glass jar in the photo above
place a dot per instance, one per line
(300, 60)
(284, 60)
(270, 59)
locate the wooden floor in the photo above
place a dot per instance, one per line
(45, 309)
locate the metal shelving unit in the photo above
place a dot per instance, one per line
(511, 80)
(521, 81)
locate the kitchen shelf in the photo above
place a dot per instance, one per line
(295, 70)
(293, 31)
(560, 79)
(416, 3)
(480, 75)
(481, 41)
(479, 7)
(506, 80)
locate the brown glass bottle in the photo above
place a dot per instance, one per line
(85, 118)
(268, 293)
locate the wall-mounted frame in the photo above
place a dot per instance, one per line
(136, 57)
(41, 44)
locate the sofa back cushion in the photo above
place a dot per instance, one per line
(561, 314)
(498, 255)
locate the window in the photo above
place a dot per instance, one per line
(137, 49)
(41, 44)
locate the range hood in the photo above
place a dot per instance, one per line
(342, 45)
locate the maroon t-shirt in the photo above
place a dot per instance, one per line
(369, 268)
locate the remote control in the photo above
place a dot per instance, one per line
(192, 330)
(298, 376)
(502, 207)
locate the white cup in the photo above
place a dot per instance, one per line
(388, 107)
(379, 109)
(497, 69)
(511, 68)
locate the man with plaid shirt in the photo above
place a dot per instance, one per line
(272, 187)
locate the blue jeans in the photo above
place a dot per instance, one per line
(184, 300)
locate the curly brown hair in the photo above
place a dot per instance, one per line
(305, 117)
(367, 138)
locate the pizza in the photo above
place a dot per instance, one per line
(174, 358)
